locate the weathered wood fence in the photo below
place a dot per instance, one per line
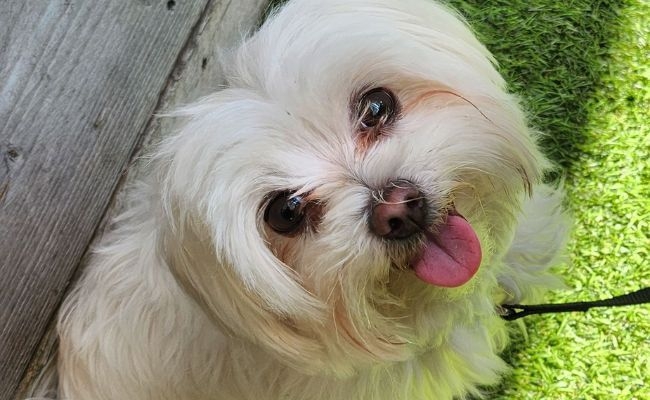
(79, 83)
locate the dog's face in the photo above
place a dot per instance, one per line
(343, 201)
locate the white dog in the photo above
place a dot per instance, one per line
(340, 223)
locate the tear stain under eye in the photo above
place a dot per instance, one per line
(313, 210)
(284, 249)
(366, 138)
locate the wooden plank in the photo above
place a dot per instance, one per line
(78, 83)
(197, 73)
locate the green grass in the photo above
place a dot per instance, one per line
(582, 70)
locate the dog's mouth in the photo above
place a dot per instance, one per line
(450, 256)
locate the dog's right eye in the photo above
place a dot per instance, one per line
(285, 213)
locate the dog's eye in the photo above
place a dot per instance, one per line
(284, 213)
(376, 108)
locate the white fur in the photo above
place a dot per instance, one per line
(193, 297)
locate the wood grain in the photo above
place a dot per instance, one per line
(196, 71)
(78, 83)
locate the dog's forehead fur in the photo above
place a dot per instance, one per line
(412, 39)
(304, 83)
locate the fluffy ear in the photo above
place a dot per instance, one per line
(212, 187)
(491, 132)
(211, 239)
(255, 310)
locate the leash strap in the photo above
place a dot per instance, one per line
(511, 312)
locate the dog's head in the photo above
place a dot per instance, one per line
(343, 200)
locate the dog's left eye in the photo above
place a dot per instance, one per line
(285, 213)
(377, 107)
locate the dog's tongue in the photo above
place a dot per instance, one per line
(451, 257)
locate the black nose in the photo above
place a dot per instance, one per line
(400, 213)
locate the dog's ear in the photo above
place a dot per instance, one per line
(209, 188)
(488, 130)
(244, 306)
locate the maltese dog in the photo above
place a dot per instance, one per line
(341, 222)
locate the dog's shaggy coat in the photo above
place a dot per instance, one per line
(194, 296)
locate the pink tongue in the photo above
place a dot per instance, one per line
(451, 257)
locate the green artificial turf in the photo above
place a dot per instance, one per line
(582, 70)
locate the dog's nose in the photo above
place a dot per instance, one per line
(400, 213)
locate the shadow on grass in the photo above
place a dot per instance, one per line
(552, 54)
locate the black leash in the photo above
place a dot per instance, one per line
(511, 312)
